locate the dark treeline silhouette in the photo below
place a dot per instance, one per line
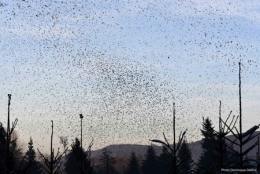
(13, 161)
(220, 152)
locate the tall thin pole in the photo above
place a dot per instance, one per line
(220, 137)
(8, 119)
(81, 117)
(240, 118)
(220, 125)
(8, 134)
(52, 153)
(174, 146)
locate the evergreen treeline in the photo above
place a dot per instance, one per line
(220, 153)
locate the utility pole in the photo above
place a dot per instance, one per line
(52, 150)
(8, 134)
(174, 143)
(81, 117)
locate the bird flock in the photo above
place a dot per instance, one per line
(122, 64)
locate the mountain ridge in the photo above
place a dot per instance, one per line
(195, 147)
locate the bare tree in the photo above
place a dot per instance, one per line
(64, 142)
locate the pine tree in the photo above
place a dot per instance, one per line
(133, 166)
(186, 155)
(2, 148)
(106, 163)
(221, 158)
(243, 138)
(205, 161)
(2, 133)
(31, 165)
(10, 154)
(175, 152)
(73, 161)
(164, 161)
(72, 164)
(150, 163)
(30, 152)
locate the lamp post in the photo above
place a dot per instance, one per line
(81, 117)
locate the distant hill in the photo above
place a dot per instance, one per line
(195, 147)
(126, 149)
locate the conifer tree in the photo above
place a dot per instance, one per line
(31, 165)
(73, 161)
(2, 147)
(30, 152)
(243, 138)
(72, 164)
(205, 161)
(221, 158)
(164, 161)
(176, 152)
(186, 155)
(10, 154)
(150, 164)
(133, 166)
(106, 163)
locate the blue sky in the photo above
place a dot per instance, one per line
(123, 63)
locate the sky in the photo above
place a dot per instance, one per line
(122, 64)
